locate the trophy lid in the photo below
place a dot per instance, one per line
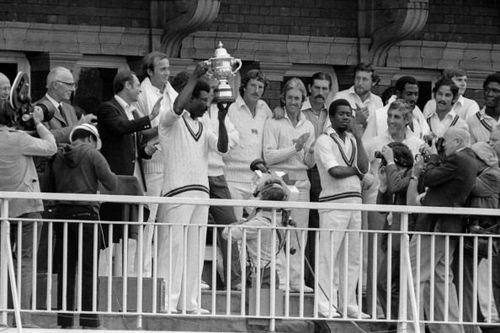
(221, 52)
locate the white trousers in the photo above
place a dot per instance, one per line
(181, 250)
(298, 240)
(333, 243)
(154, 184)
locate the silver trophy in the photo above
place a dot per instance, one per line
(221, 67)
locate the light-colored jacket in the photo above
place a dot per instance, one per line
(17, 169)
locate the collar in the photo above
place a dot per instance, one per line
(330, 131)
(122, 103)
(146, 84)
(53, 101)
(353, 92)
(302, 118)
(460, 101)
(451, 114)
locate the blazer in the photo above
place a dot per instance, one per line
(60, 126)
(449, 183)
(117, 135)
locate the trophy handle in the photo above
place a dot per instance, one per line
(236, 61)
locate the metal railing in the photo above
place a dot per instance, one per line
(151, 292)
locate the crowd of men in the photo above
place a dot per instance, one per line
(181, 143)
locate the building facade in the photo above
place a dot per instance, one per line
(284, 38)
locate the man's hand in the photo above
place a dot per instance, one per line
(201, 69)
(156, 109)
(300, 141)
(88, 118)
(388, 154)
(356, 128)
(278, 113)
(150, 149)
(37, 115)
(362, 114)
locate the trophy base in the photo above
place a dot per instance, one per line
(224, 96)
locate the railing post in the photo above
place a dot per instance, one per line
(406, 285)
(3, 260)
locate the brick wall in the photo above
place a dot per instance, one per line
(297, 17)
(462, 21)
(127, 13)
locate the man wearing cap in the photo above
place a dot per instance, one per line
(78, 168)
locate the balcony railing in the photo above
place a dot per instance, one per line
(119, 291)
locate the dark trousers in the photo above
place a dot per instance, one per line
(68, 212)
(224, 215)
(314, 193)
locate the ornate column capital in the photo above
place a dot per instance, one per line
(179, 18)
(387, 22)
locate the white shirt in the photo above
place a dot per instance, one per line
(53, 101)
(279, 150)
(251, 130)
(439, 127)
(373, 102)
(463, 107)
(480, 126)
(331, 151)
(147, 100)
(185, 142)
(127, 107)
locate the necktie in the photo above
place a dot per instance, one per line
(62, 113)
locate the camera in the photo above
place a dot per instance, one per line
(20, 102)
(402, 155)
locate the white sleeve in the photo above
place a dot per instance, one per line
(323, 153)
(168, 118)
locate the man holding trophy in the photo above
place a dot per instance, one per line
(186, 140)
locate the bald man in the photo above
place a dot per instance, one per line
(60, 86)
(448, 183)
(4, 87)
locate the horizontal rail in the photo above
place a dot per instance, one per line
(250, 203)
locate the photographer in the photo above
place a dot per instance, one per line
(448, 183)
(273, 189)
(18, 173)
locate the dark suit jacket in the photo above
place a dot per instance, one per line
(449, 184)
(117, 136)
(60, 126)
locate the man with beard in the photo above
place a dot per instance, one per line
(406, 89)
(342, 161)
(464, 107)
(185, 141)
(444, 117)
(482, 122)
(248, 114)
(287, 142)
(316, 112)
(359, 96)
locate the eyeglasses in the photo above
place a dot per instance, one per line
(69, 84)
